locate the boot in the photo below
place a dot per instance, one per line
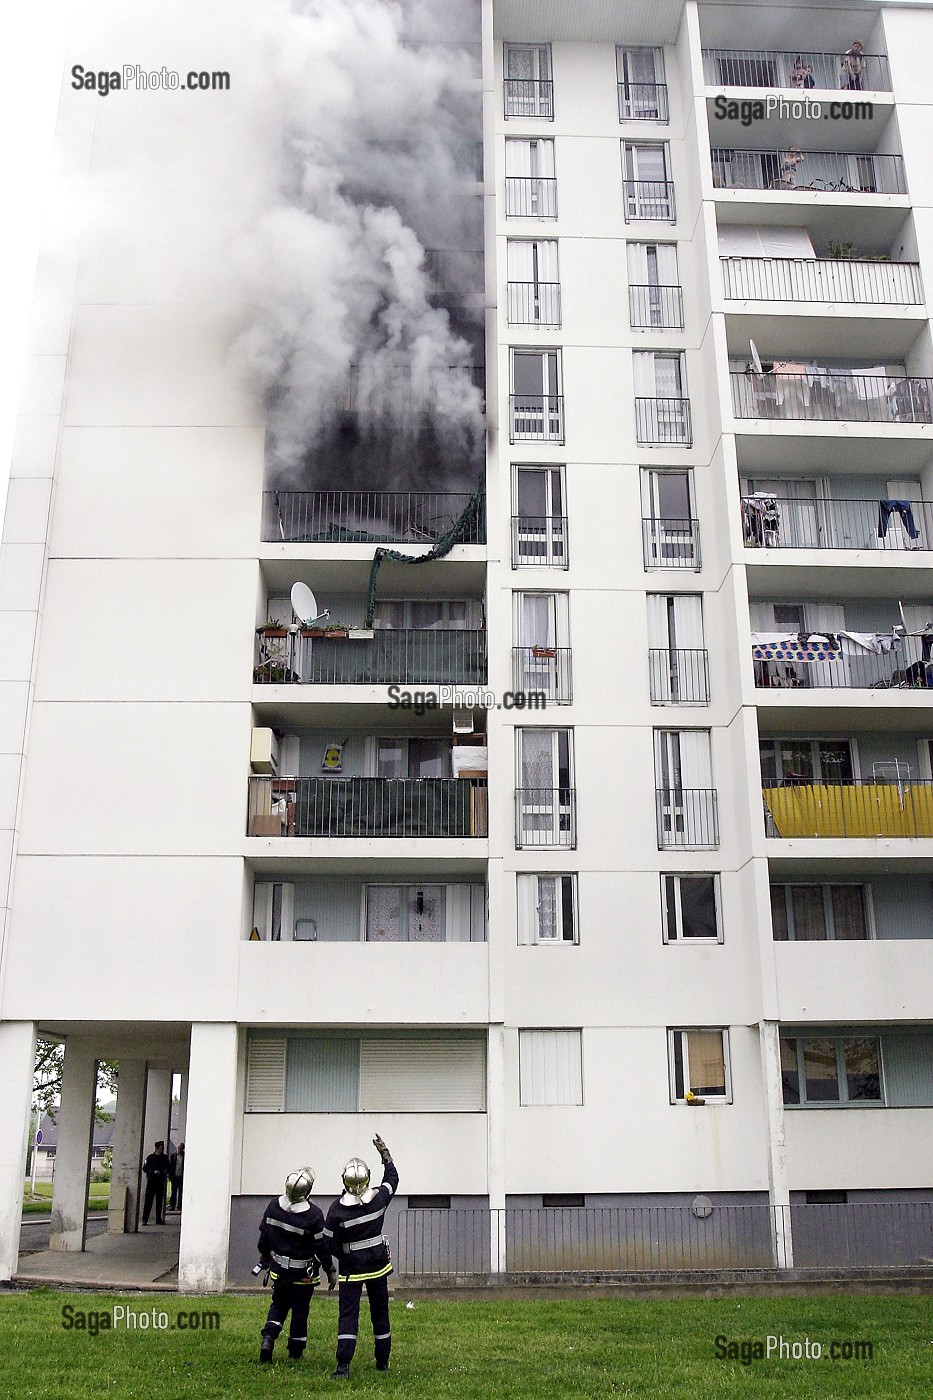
(342, 1373)
(265, 1351)
(296, 1350)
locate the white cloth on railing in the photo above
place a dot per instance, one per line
(879, 643)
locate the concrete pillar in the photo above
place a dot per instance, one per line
(211, 1130)
(17, 1062)
(73, 1154)
(778, 1189)
(495, 1146)
(128, 1143)
(182, 1107)
(158, 1108)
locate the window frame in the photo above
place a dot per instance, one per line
(829, 917)
(675, 1031)
(561, 941)
(680, 937)
(843, 1101)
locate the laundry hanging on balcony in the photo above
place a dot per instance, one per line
(761, 519)
(879, 643)
(795, 646)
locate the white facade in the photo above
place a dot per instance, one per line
(130, 602)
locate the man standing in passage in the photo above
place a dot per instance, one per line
(361, 1254)
(177, 1161)
(292, 1246)
(156, 1169)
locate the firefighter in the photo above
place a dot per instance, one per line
(361, 1254)
(292, 1248)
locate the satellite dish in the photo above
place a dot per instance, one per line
(304, 604)
(756, 358)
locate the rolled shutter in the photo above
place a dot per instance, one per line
(550, 1068)
(422, 1074)
(265, 1076)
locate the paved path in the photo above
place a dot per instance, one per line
(147, 1259)
(35, 1232)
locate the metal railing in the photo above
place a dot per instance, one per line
(536, 417)
(533, 303)
(390, 807)
(831, 396)
(655, 307)
(365, 517)
(643, 102)
(543, 670)
(390, 656)
(776, 68)
(907, 668)
(545, 817)
(845, 280)
(649, 199)
(863, 807)
(834, 172)
(529, 97)
(663, 420)
(841, 524)
(687, 817)
(670, 544)
(678, 675)
(530, 197)
(540, 540)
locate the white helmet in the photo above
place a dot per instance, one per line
(355, 1179)
(298, 1185)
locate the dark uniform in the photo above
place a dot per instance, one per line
(293, 1246)
(361, 1255)
(156, 1169)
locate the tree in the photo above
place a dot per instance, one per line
(47, 1079)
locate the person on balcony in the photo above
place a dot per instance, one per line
(801, 75)
(361, 1253)
(293, 1249)
(853, 68)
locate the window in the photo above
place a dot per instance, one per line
(699, 1064)
(662, 409)
(563, 1200)
(541, 655)
(670, 531)
(648, 191)
(655, 297)
(428, 614)
(533, 282)
(831, 1071)
(686, 800)
(826, 1198)
(690, 908)
(428, 1203)
(642, 89)
(550, 1068)
(677, 662)
(547, 909)
(412, 758)
(806, 761)
(816, 913)
(425, 913)
(545, 798)
(529, 91)
(274, 910)
(539, 521)
(537, 405)
(530, 183)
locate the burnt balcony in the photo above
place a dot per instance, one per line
(367, 807)
(530, 197)
(790, 522)
(847, 661)
(649, 201)
(824, 395)
(652, 307)
(797, 70)
(687, 818)
(663, 420)
(540, 540)
(529, 97)
(368, 517)
(845, 281)
(643, 102)
(533, 303)
(833, 172)
(542, 671)
(678, 675)
(669, 543)
(857, 809)
(357, 656)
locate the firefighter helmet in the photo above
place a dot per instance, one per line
(298, 1185)
(355, 1178)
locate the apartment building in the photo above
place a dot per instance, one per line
(568, 956)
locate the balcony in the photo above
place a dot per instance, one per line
(643, 102)
(678, 675)
(649, 200)
(545, 817)
(541, 541)
(529, 97)
(655, 307)
(841, 280)
(367, 807)
(670, 543)
(533, 303)
(830, 662)
(423, 656)
(834, 396)
(543, 671)
(860, 808)
(799, 71)
(663, 420)
(530, 197)
(792, 170)
(536, 418)
(368, 517)
(688, 818)
(781, 522)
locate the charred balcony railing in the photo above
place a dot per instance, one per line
(663, 420)
(909, 667)
(670, 544)
(386, 657)
(660, 307)
(868, 807)
(367, 517)
(796, 69)
(838, 524)
(649, 200)
(855, 281)
(679, 675)
(687, 817)
(832, 396)
(540, 540)
(542, 671)
(367, 807)
(529, 97)
(643, 102)
(833, 172)
(545, 817)
(536, 418)
(534, 303)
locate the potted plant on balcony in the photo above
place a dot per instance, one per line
(546, 653)
(272, 627)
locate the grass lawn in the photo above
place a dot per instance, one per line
(588, 1347)
(39, 1202)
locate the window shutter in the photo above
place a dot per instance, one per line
(422, 1074)
(550, 1068)
(265, 1076)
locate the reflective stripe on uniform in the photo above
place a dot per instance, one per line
(283, 1225)
(364, 1244)
(363, 1278)
(381, 1336)
(346, 1336)
(365, 1219)
(285, 1262)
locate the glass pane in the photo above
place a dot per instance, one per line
(427, 914)
(673, 495)
(383, 913)
(790, 1076)
(809, 913)
(566, 899)
(670, 906)
(796, 758)
(835, 761)
(779, 928)
(547, 908)
(428, 758)
(698, 906)
(527, 373)
(391, 758)
(426, 615)
(863, 1073)
(557, 506)
(849, 921)
(820, 1071)
(706, 1063)
(532, 493)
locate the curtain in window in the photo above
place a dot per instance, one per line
(706, 1063)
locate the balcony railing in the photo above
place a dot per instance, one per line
(536, 418)
(530, 197)
(544, 671)
(643, 102)
(797, 70)
(841, 280)
(540, 540)
(663, 421)
(678, 675)
(654, 307)
(687, 817)
(909, 667)
(834, 172)
(831, 396)
(529, 97)
(534, 303)
(388, 657)
(670, 543)
(649, 200)
(788, 523)
(390, 807)
(365, 517)
(545, 817)
(863, 808)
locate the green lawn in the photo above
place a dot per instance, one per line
(39, 1202)
(497, 1348)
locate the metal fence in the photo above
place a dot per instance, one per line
(798, 70)
(867, 807)
(543, 670)
(536, 417)
(663, 420)
(853, 280)
(687, 817)
(841, 524)
(534, 303)
(907, 668)
(540, 540)
(649, 199)
(529, 97)
(545, 817)
(530, 197)
(389, 807)
(390, 517)
(670, 544)
(387, 657)
(831, 396)
(643, 102)
(678, 675)
(655, 306)
(834, 172)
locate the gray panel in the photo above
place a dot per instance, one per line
(859, 488)
(908, 1070)
(903, 908)
(882, 748)
(871, 615)
(322, 1075)
(333, 905)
